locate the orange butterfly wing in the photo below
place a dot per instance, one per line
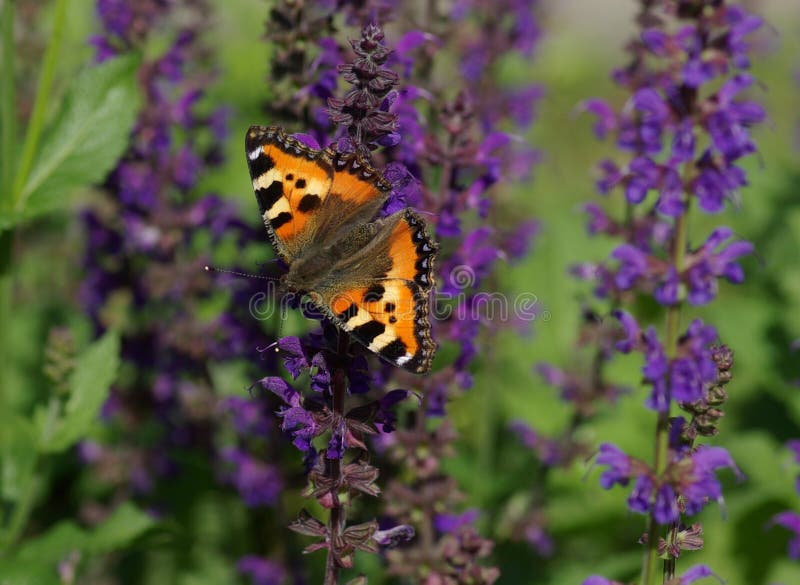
(389, 313)
(305, 194)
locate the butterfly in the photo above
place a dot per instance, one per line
(370, 277)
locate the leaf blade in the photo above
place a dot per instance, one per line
(86, 139)
(94, 373)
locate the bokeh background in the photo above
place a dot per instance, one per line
(198, 536)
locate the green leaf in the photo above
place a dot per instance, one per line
(88, 136)
(124, 525)
(30, 572)
(18, 452)
(53, 545)
(94, 372)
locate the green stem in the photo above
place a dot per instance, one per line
(30, 491)
(650, 567)
(36, 124)
(8, 104)
(6, 282)
(8, 131)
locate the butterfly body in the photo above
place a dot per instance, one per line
(371, 277)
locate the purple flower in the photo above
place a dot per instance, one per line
(406, 188)
(546, 449)
(248, 416)
(633, 333)
(702, 485)
(321, 376)
(713, 261)
(139, 186)
(293, 356)
(258, 483)
(791, 521)
(115, 15)
(261, 571)
(665, 508)
(633, 265)
(104, 50)
(619, 465)
(452, 523)
(657, 41)
(698, 572)
(598, 580)
(187, 166)
(386, 416)
(296, 420)
(359, 376)
(606, 118)
(667, 292)
(640, 497)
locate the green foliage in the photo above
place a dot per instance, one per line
(96, 369)
(18, 452)
(85, 140)
(38, 558)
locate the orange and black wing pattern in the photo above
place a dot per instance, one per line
(388, 313)
(306, 195)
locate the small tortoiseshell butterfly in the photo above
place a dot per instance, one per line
(371, 278)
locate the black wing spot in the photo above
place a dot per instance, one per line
(395, 350)
(389, 307)
(300, 183)
(374, 293)
(309, 203)
(348, 313)
(281, 219)
(268, 196)
(289, 177)
(392, 319)
(369, 331)
(262, 164)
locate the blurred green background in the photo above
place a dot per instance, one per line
(592, 529)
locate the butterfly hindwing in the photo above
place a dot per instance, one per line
(387, 309)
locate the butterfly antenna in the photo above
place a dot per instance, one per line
(282, 319)
(242, 274)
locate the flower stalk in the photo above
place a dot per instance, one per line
(338, 516)
(683, 137)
